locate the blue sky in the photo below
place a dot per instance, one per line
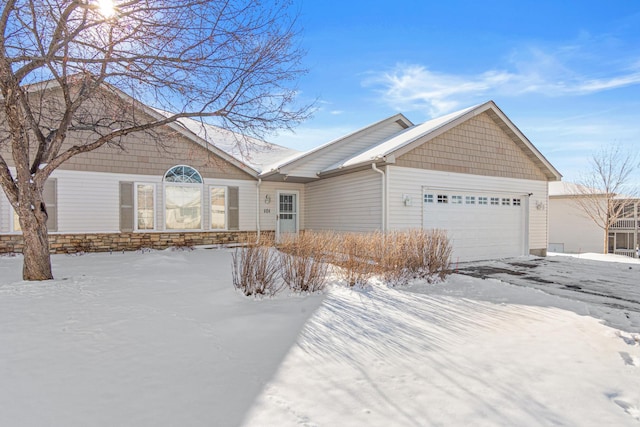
(567, 73)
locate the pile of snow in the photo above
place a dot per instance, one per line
(163, 339)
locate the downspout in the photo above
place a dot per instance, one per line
(384, 198)
(258, 210)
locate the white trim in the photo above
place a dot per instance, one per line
(297, 210)
(135, 207)
(164, 205)
(226, 208)
(12, 216)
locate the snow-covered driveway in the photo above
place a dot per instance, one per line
(612, 289)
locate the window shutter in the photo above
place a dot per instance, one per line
(126, 206)
(233, 198)
(50, 197)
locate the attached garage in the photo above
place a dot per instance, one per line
(471, 173)
(480, 225)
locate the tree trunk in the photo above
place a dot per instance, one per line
(37, 260)
(606, 241)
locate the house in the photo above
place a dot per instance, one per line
(572, 231)
(471, 172)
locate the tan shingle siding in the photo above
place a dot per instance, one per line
(477, 146)
(143, 156)
(145, 153)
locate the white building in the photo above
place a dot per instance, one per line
(471, 172)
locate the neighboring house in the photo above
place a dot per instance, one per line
(572, 231)
(471, 172)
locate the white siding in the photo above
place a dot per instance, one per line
(350, 202)
(571, 228)
(88, 201)
(341, 150)
(269, 210)
(410, 182)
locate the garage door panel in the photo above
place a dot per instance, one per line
(478, 231)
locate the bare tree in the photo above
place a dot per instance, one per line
(604, 190)
(233, 62)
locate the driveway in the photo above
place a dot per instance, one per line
(611, 289)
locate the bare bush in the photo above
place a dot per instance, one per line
(417, 253)
(255, 268)
(302, 261)
(354, 255)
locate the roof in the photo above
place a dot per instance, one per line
(292, 161)
(398, 141)
(560, 189)
(565, 188)
(253, 152)
(388, 150)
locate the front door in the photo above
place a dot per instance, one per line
(287, 213)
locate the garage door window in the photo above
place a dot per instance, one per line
(443, 198)
(428, 198)
(517, 202)
(506, 202)
(482, 200)
(470, 200)
(495, 201)
(456, 200)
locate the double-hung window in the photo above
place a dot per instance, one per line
(145, 206)
(218, 208)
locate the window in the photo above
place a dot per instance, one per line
(184, 174)
(624, 240)
(506, 202)
(495, 201)
(517, 202)
(456, 200)
(482, 200)
(443, 198)
(145, 211)
(183, 198)
(470, 200)
(428, 198)
(218, 208)
(628, 210)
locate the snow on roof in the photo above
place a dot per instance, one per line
(253, 152)
(327, 145)
(564, 188)
(400, 140)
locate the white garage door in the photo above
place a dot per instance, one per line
(480, 226)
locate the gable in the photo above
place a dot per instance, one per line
(477, 146)
(308, 164)
(150, 152)
(147, 154)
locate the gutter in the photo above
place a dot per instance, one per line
(258, 210)
(384, 198)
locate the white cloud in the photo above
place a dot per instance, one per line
(409, 87)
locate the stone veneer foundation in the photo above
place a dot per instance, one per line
(105, 242)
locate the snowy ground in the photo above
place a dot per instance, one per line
(162, 339)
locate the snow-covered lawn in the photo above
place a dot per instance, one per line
(163, 339)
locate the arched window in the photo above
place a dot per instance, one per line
(183, 192)
(184, 174)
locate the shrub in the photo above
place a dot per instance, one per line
(302, 261)
(415, 253)
(255, 268)
(353, 254)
